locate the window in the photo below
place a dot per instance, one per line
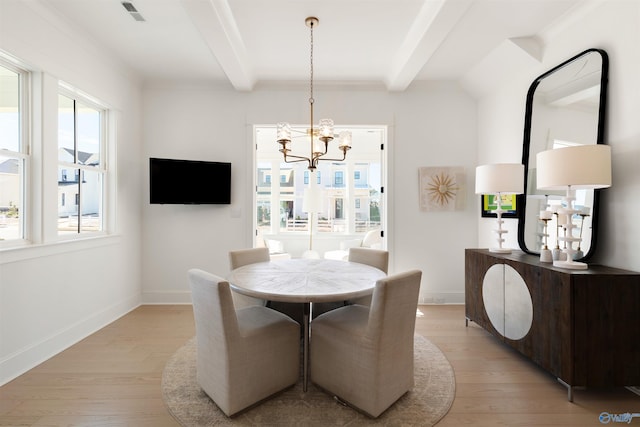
(306, 176)
(361, 211)
(356, 175)
(14, 152)
(81, 142)
(73, 203)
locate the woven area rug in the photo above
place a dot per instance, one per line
(425, 405)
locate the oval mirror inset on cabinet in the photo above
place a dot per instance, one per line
(565, 107)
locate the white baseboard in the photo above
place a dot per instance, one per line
(441, 298)
(21, 361)
(166, 297)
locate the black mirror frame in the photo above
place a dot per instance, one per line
(522, 202)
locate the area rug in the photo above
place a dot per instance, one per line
(425, 405)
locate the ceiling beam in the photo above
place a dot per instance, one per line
(434, 22)
(219, 30)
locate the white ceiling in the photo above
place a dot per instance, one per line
(252, 42)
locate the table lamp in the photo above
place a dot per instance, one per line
(500, 179)
(573, 168)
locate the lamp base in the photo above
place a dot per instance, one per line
(573, 265)
(546, 256)
(500, 250)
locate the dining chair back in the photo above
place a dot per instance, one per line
(377, 258)
(364, 355)
(242, 356)
(241, 257)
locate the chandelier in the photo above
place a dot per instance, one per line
(320, 136)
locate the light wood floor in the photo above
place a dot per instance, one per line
(112, 378)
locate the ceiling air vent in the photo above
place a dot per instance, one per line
(132, 11)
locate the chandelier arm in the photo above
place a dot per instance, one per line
(300, 159)
(333, 160)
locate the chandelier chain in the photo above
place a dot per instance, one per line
(311, 66)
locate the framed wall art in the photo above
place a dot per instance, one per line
(442, 188)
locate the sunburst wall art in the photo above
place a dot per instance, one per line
(442, 188)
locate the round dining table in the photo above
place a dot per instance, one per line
(305, 281)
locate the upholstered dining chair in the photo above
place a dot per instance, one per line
(364, 355)
(241, 257)
(377, 258)
(243, 356)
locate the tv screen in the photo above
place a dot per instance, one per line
(189, 182)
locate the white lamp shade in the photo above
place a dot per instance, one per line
(312, 200)
(504, 178)
(581, 166)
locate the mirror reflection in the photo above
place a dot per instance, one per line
(565, 107)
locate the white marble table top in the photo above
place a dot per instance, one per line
(305, 280)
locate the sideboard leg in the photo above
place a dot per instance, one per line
(569, 390)
(466, 322)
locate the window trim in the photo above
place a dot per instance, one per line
(103, 169)
(24, 150)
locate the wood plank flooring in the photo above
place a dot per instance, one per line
(112, 378)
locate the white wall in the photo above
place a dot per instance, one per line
(52, 295)
(430, 125)
(612, 26)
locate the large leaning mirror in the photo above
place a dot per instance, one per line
(565, 107)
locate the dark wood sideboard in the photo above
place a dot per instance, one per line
(585, 328)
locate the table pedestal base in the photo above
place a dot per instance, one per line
(305, 345)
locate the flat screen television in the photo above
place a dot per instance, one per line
(189, 182)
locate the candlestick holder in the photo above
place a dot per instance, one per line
(557, 253)
(545, 253)
(579, 254)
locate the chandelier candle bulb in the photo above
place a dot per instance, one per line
(326, 130)
(344, 141)
(284, 132)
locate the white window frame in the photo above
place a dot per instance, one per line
(24, 149)
(103, 169)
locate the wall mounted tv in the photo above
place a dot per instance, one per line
(189, 182)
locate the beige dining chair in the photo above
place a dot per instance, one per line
(364, 355)
(377, 258)
(243, 356)
(241, 257)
